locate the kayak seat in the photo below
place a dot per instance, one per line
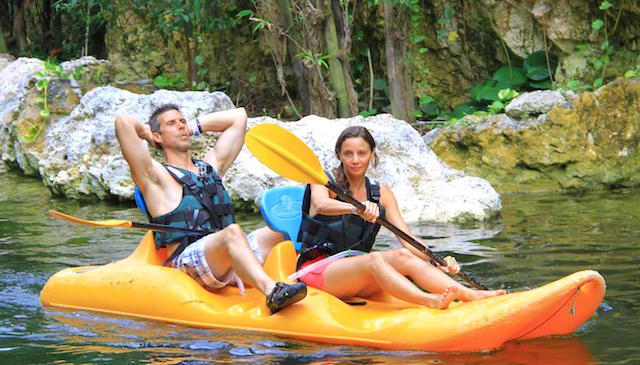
(137, 194)
(281, 209)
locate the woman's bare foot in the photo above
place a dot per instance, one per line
(447, 297)
(470, 295)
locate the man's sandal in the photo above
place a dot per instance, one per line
(284, 294)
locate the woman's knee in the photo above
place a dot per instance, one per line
(376, 262)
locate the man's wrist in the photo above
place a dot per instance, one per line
(193, 125)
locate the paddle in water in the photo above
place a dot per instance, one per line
(290, 157)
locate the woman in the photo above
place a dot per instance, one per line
(330, 225)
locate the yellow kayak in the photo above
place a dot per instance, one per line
(139, 286)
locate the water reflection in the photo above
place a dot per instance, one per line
(112, 337)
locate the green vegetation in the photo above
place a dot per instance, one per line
(328, 57)
(44, 76)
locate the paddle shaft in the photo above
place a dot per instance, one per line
(390, 226)
(163, 228)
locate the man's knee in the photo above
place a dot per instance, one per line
(233, 234)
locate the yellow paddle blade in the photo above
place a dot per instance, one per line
(285, 154)
(105, 223)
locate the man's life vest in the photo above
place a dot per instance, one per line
(205, 205)
(330, 234)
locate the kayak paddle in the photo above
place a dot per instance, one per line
(288, 156)
(129, 224)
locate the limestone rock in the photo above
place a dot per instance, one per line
(592, 144)
(534, 103)
(89, 163)
(426, 188)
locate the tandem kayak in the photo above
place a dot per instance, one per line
(139, 286)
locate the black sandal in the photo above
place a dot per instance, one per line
(284, 294)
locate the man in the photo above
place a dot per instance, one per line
(189, 193)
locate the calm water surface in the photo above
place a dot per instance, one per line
(539, 239)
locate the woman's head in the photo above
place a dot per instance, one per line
(355, 148)
(354, 137)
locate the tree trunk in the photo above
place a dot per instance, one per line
(336, 74)
(19, 28)
(400, 86)
(3, 43)
(56, 30)
(344, 40)
(298, 70)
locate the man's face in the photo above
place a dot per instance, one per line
(174, 133)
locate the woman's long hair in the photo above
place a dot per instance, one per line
(352, 132)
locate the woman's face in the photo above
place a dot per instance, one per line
(355, 156)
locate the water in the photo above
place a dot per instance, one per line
(539, 239)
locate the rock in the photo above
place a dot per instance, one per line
(89, 163)
(78, 156)
(534, 103)
(593, 144)
(427, 190)
(15, 82)
(5, 60)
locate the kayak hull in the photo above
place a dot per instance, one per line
(139, 286)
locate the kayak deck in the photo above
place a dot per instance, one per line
(139, 286)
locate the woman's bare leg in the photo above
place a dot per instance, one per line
(366, 275)
(430, 277)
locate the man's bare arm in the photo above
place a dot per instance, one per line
(232, 123)
(130, 134)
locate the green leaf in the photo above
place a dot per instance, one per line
(423, 50)
(598, 82)
(540, 85)
(245, 13)
(42, 84)
(604, 45)
(597, 24)
(496, 107)
(535, 65)
(629, 74)
(39, 99)
(605, 5)
(199, 60)
(507, 94)
(366, 113)
(44, 112)
(597, 64)
(443, 32)
(582, 47)
(417, 38)
(462, 109)
(448, 12)
(509, 76)
(426, 100)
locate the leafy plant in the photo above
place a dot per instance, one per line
(504, 96)
(49, 71)
(178, 81)
(537, 70)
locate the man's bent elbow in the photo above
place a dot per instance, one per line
(242, 116)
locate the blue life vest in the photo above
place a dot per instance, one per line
(330, 234)
(205, 205)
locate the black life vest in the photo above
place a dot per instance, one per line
(205, 205)
(330, 234)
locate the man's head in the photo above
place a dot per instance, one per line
(168, 118)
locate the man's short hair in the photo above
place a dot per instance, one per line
(153, 119)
